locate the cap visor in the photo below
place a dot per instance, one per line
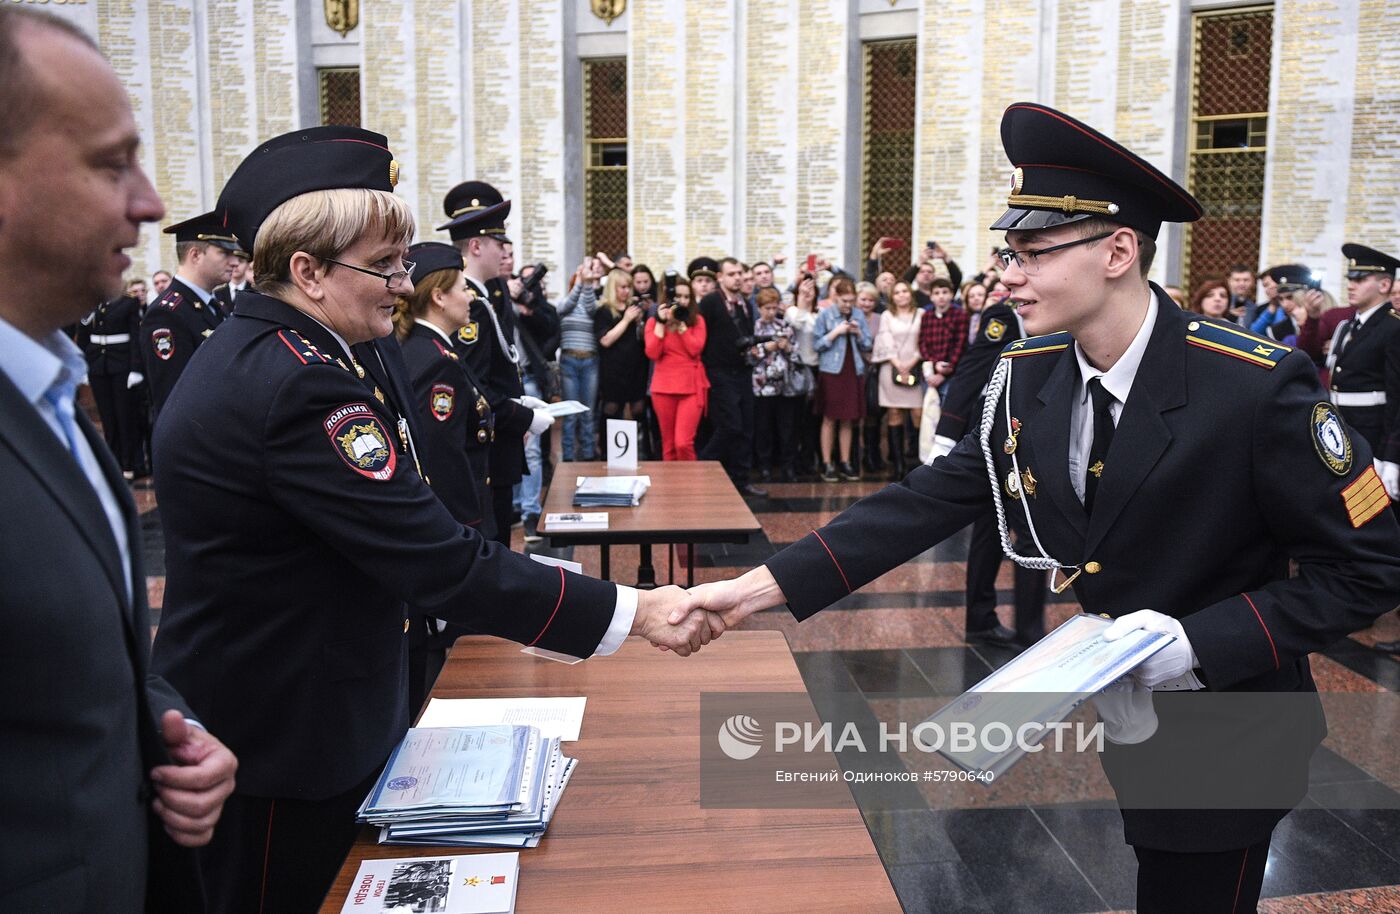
(476, 215)
(230, 246)
(1023, 220)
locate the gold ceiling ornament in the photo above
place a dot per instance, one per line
(608, 10)
(342, 15)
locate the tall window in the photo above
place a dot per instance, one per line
(340, 95)
(887, 141)
(605, 155)
(1231, 51)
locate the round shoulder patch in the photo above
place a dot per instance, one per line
(995, 330)
(163, 343)
(1330, 438)
(442, 400)
(469, 332)
(361, 441)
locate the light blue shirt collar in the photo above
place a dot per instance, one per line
(204, 294)
(35, 366)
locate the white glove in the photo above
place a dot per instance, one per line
(1176, 659)
(137, 377)
(1390, 477)
(532, 402)
(942, 447)
(542, 421)
(1125, 707)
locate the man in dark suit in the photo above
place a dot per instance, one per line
(963, 398)
(1096, 454)
(728, 323)
(88, 731)
(187, 312)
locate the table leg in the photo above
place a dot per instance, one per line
(646, 574)
(689, 564)
(606, 564)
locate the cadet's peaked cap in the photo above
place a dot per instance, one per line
(1065, 171)
(703, 266)
(287, 166)
(431, 256)
(1290, 274)
(206, 227)
(475, 208)
(1363, 261)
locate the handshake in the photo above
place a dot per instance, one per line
(675, 619)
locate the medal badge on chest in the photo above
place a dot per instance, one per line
(1010, 446)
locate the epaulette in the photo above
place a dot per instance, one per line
(170, 301)
(445, 352)
(1236, 343)
(305, 350)
(1033, 345)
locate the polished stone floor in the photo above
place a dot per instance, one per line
(1032, 846)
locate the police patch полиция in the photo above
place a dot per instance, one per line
(361, 441)
(441, 401)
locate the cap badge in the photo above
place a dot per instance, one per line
(1018, 180)
(394, 168)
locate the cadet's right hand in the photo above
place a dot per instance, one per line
(542, 421)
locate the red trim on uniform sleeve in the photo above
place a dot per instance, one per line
(1236, 903)
(844, 580)
(1263, 626)
(553, 614)
(288, 344)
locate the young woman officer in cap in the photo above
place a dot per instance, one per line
(1095, 438)
(299, 522)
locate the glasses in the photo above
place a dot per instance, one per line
(390, 279)
(1029, 259)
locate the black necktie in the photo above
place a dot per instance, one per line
(1348, 331)
(1103, 437)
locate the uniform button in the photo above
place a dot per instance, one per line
(481, 435)
(488, 480)
(405, 626)
(1194, 325)
(1093, 567)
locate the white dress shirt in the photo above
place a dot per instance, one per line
(1118, 381)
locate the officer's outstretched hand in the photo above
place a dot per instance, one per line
(190, 793)
(671, 619)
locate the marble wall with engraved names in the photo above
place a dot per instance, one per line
(768, 179)
(657, 112)
(1373, 193)
(827, 84)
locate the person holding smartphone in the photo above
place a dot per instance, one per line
(842, 340)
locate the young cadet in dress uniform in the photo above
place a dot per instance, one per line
(455, 422)
(962, 409)
(115, 373)
(1364, 360)
(186, 313)
(299, 521)
(1150, 490)
(476, 216)
(237, 281)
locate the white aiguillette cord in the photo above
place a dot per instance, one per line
(1001, 381)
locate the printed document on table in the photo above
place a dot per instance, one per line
(473, 884)
(559, 718)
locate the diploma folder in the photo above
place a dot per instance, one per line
(1042, 686)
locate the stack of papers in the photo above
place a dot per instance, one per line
(610, 491)
(489, 786)
(576, 522)
(477, 884)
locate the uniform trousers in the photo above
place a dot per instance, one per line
(278, 856)
(1224, 882)
(984, 557)
(120, 410)
(679, 417)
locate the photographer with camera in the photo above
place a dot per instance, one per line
(622, 367)
(728, 325)
(537, 339)
(675, 337)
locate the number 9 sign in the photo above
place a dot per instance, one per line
(622, 444)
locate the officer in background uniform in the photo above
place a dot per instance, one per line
(1119, 466)
(963, 397)
(1364, 360)
(186, 313)
(237, 281)
(115, 373)
(299, 522)
(476, 215)
(455, 422)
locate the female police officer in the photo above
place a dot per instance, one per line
(299, 522)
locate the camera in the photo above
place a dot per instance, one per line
(530, 285)
(745, 343)
(1312, 283)
(680, 313)
(668, 279)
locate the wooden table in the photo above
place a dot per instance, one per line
(688, 502)
(629, 834)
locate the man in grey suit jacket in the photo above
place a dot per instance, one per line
(104, 774)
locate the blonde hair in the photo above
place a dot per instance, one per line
(408, 309)
(618, 279)
(323, 223)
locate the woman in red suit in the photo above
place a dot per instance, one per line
(679, 386)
